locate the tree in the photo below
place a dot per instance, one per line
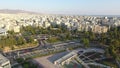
(91, 36)
(29, 39)
(113, 52)
(86, 42)
(53, 39)
(11, 32)
(20, 41)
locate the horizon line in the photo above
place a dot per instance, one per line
(36, 12)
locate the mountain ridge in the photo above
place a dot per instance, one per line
(16, 11)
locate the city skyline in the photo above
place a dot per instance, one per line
(59, 34)
(83, 7)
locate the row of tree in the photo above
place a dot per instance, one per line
(111, 39)
(14, 40)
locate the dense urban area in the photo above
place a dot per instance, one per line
(60, 41)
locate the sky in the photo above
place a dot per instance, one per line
(83, 7)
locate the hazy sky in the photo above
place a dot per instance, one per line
(98, 7)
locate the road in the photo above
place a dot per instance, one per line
(41, 49)
(53, 48)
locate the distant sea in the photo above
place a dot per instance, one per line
(89, 15)
(104, 15)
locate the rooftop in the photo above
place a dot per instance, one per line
(2, 30)
(3, 59)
